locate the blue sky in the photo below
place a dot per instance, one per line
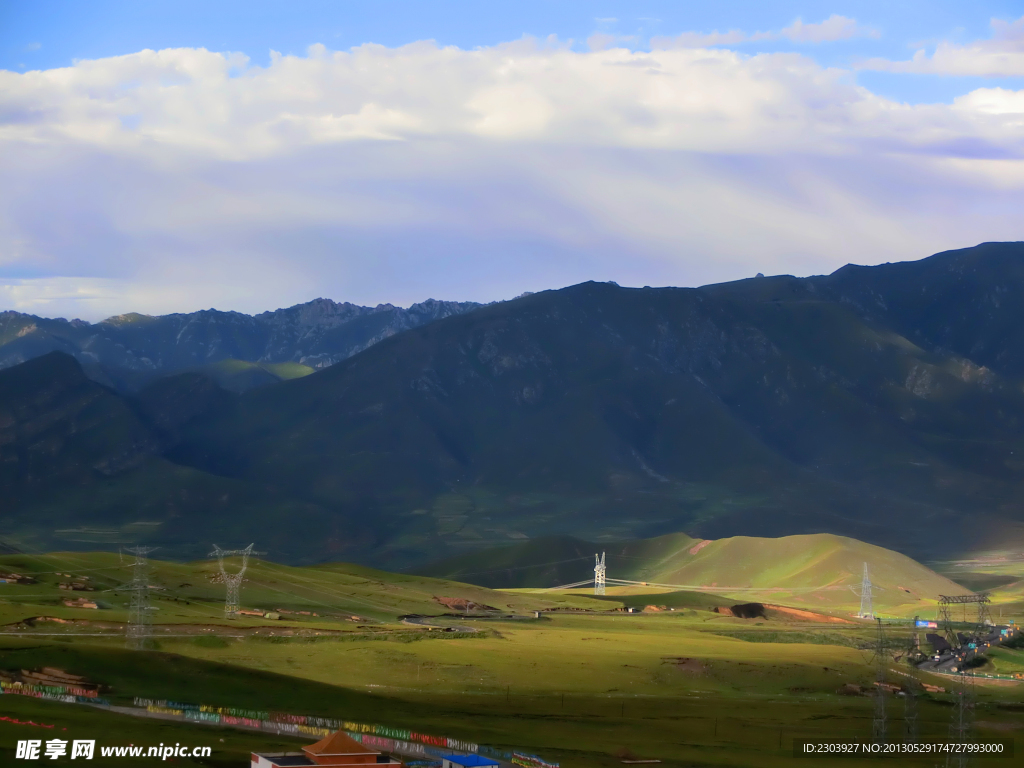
(53, 33)
(272, 152)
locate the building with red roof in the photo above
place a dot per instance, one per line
(338, 749)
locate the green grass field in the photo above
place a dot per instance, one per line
(184, 593)
(819, 572)
(582, 687)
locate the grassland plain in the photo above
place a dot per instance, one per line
(583, 687)
(577, 689)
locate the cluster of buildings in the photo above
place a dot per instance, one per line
(15, 578)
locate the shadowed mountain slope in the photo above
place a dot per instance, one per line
(767, 407)
(58, 427)
(625, 411)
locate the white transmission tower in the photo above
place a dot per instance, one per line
(867, 611)
(139, 623)
(600, 574)
(232, 581)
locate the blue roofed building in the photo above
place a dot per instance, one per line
(467, 761)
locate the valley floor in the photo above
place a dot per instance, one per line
(584, 687)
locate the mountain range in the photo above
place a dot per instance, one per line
(239, 351)
(881, 403)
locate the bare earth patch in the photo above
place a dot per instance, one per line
(796, 613)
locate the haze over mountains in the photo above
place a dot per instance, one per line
(883, 403)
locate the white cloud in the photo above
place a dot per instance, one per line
(600, 41)
(701, 39)
(832, 29)
(992, 101)
(835, 27)
(1002, 55)
(182, 179)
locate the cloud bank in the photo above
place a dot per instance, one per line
(1002, 55)
(177, 179)
(832, 29)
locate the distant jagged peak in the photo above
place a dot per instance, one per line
(128, 318)
(318, 308)
(440, 307)
(318, 305)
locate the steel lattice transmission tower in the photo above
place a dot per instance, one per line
(910, 726)
(879, 725)
(139, 624)
(232, 581)
(984, 614)
(961, 730)
(867, 610)
(600, 574)
(982, 599)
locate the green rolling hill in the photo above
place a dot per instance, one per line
(818, 571)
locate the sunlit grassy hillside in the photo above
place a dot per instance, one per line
(816, 570)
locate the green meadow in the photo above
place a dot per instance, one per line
(586, 684)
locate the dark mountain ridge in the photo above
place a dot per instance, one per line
(128, 351)
(764, 407)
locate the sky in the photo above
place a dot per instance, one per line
(172, 156)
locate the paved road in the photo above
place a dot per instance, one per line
(951, 662)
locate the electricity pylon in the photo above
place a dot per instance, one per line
(911, 733)
(139, 624)
(867, 611)
(232, 581)
(962, 727)
(946, 613)
(878, 724)
(600, 574)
